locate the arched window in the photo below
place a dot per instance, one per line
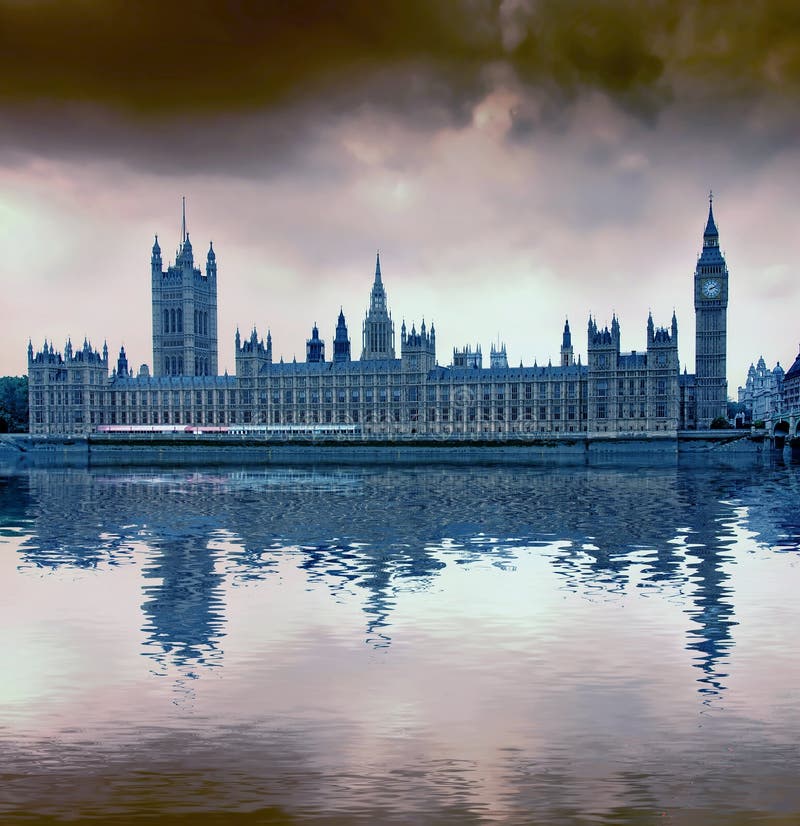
(195, 359)
(172, 321)
(180, 363)
(205, 324)
(166, 321)
(180, 321)
(174, 366)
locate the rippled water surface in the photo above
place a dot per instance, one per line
(443, 645)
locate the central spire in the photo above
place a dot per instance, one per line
(378, 326)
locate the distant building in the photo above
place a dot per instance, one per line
(382, 394)
(791, 386)
(761, 394)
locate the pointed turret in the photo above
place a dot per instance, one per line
(155, 256)
(315, 347)
(567, 353)
(211, 262)
(378, 267)
(341, 342)
(122, 363)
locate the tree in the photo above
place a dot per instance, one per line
(720, 423)
(13, 404)
(734, 409)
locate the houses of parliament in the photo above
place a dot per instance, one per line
(393, 387)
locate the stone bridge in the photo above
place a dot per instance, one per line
(783, 426)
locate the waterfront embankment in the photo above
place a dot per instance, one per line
(710, 447)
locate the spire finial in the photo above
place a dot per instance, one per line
(183, 219)
(711, 226)
(378, 267)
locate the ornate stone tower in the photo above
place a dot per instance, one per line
(710, 305)
(378, 324)
(341, 343)
(567, 353)
(315, 346)
(184, 312)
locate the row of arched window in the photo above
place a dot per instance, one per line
(173, 366)
(173, 321)
(201, 322)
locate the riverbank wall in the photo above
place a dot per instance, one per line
(734, 448)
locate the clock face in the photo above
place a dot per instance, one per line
(711, 288)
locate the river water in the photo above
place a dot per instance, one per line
(401, 645)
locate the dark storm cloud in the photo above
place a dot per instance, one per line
(209, 56)
(136, 80)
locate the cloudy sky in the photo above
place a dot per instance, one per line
(516, 162)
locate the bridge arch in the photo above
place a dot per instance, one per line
(780, 433)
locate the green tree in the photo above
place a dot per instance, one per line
(13, 404)
(720, 423)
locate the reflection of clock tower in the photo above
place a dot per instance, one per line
(710, 307)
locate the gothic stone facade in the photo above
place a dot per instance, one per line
(380, 395)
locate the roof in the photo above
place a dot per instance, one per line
(794, 371)
(319, 368)
(711, 227)
(574, 371)
(632, 361)
(172, 382)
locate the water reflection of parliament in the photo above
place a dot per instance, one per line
(84, 519)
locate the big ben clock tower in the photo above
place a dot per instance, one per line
(710, 308)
